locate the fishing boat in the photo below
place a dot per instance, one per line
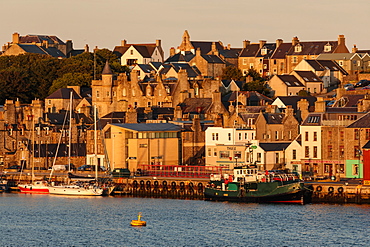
(248, 184)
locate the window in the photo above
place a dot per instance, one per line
(315, 151)
(327, 168)
(341, 168)
(357, 134)
(251, 65)
(259, 157)
(357, 151)
(330, 135)
(315, 136)
(237, 154)
(294, 154)
(209, 152)
(215, 152)
(244, 61)
(295, 60)
(240, 136)
(276, 135)
(149, 104)
(367, 134)
(229, 136)
(306, 151)
(132, 52)
(298, 48)
(97, 94)
(330, 151)
(342, 135)
(246, 136)
(341, 151)
(355, 169)
(306, 136)
(49, 101)
(124, 92)
(224, 154)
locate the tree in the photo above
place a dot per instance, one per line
(258, 86)
(303, 93)
(255, 75)
(70, 79)
(232, 73)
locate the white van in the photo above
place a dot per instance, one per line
(60, 168)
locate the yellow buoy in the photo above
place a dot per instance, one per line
(138, 222)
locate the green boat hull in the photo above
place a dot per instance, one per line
(261, 192)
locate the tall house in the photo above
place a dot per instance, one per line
(132, 54)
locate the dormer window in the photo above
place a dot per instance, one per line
(327, 48)
(298, 48)
(264, 51)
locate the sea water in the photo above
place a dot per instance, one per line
(51, 220)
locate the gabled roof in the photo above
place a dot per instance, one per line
(160, 127)
(64, 93)
(363, 122)
(322, 65)
(290, 80)
(274, 146)
(350, 100)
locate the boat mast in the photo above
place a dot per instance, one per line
(95, 145)
(33, 148)
(70, 132)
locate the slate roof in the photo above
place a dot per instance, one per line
(230, 53)
(313, 119)
(308, 76)
(281, 51)
(145, 50)
(290, 80)
(293, 100)
(351, 100)
(313, 47)
(196, 105)
(363, 122)
(63, 93)
(213, 59)
(31, 38)
(205, 46)
(180, 58)
(51, 51)
(322, 65)
(250, 51)
(192, 71)
(107, 70)
(152, 127)
(274, 146)
(270, 50)
(274, 118)
(145, 67)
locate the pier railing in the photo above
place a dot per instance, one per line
(179, 171)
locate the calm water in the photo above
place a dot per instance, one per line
(50, 220)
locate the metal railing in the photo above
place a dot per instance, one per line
(179, 171)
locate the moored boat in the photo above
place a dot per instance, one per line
(35, 187)
(250, 185)
(78, 189)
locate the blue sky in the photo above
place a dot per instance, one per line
(104, 23)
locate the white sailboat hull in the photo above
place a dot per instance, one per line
(74, 190)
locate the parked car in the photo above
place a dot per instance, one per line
(362, 83)
(348, 86)
(121, 173)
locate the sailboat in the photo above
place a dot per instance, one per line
(78, 188)
(35, 186)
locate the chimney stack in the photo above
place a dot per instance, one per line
(354, 49)
(15, 38)
(278, 42)
(123, 42)
(246, 43)
(295, 41)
